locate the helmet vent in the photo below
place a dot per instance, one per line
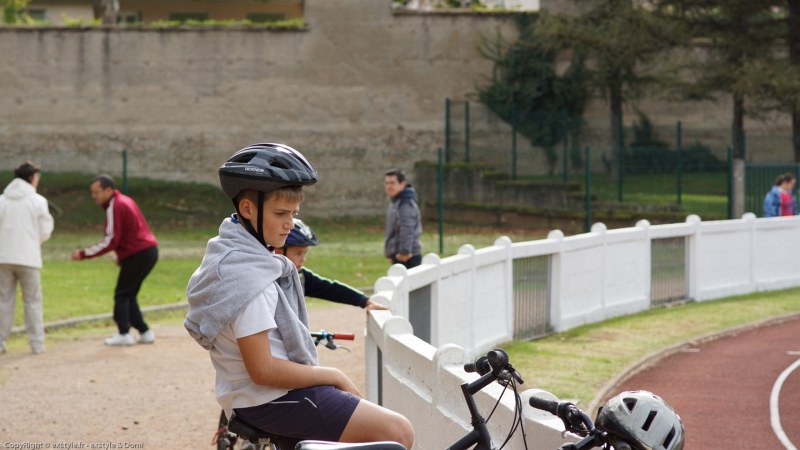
(670, 436)
(649, 421)
(630, 403)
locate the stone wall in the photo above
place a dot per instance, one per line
(361, 89)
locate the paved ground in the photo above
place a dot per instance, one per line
(158, 396)
(722, 388)
(161, 396)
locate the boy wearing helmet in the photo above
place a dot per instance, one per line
(246, 307)
(299, 241)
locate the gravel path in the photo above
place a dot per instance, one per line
(161, 396)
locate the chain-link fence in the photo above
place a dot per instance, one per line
(670, 170)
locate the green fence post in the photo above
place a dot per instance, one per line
(620, 160)
(447, 129)
(588, 189)
(466, 131)
(513, 141)
(679, 144)
(730, 182)
(565, 122)
(439, 201)
(125, 172)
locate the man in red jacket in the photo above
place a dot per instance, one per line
(129, 236)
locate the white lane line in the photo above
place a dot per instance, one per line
(793, 352)
(774, 412)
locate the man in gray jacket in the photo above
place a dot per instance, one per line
(403, 221)
(25, 222)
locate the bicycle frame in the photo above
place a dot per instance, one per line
(493, 367)
(479, 436)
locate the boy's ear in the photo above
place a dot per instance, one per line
(247, 208)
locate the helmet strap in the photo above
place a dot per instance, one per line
(259, 235)
(260, 215)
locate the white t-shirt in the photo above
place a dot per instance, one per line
(234, 387)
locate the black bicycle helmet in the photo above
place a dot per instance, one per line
(301, 235)
(643, 420)
(264, 168)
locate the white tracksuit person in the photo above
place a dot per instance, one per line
(25, 222)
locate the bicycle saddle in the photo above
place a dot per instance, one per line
(325, 445)
(246, 431)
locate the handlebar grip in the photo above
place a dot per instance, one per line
(497, 358)
(545, 405)
(481, 365)
(344, 336)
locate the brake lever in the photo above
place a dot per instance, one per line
(333, 346)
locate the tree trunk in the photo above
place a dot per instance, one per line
(615, 105)
(793, 39)
(737, 128)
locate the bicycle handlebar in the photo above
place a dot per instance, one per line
(496, 362)
(574, 419)
(322, 334)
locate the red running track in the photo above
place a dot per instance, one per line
(721, 388)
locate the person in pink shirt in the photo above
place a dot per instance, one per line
(129, 236)
(788, 202)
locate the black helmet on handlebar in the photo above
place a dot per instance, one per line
(642, 419)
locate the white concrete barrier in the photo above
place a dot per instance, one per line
(592, 277)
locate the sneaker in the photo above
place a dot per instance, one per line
(37, 350)
(121, 339)
(147, 337)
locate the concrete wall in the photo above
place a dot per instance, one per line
(593, 277)
(360, 90)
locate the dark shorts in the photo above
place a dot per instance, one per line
(319, 413)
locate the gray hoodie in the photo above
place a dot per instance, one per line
(236, 268)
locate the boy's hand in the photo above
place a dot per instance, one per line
(403, 257)
(344, 383)
(374, 306)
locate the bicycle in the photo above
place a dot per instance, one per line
(228, 432)
(494, 366)
(631, 420)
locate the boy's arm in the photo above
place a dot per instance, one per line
(266, 370)
(332, 290)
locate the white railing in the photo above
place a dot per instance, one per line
(593, 276)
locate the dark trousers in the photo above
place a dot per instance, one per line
(414, 261)
(132, 272)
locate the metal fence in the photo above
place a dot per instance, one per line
(668, 282)
(671, 166)
(531, 297)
